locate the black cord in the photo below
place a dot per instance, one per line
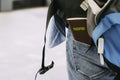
(36, 75)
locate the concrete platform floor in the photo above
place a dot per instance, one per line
(21, 42)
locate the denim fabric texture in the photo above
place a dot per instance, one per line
(84, 64)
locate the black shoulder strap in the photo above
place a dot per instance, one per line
(114, 68)
(51, 11)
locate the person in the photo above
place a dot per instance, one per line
(82, 59)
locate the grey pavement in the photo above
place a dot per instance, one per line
(21, 42)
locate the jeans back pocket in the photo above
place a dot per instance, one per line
(87, 63)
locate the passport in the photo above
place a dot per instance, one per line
(78, 27)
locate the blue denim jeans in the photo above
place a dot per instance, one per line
(83, 64)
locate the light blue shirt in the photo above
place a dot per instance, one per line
(56, 32)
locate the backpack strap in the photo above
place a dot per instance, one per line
(117, 77)
(114, 68)
(58, 16)
(51, 11)
(53, 7)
